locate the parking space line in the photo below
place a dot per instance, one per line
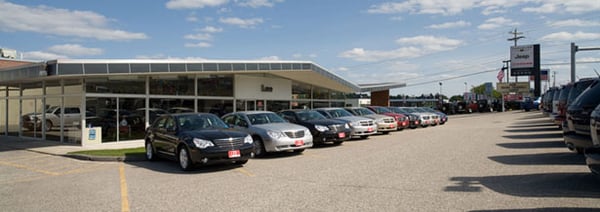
(19, 166)
(246, 172)
(124, 198)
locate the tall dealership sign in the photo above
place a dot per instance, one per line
(525, 61)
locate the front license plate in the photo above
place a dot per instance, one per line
(370, 130)
(299, 143)
(234, 153)
(342, 135)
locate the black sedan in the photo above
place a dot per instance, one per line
(592, 154)
(197, 138)
(322, 129)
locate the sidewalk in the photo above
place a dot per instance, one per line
(62, 149)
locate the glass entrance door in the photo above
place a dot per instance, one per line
(32, 117)
(245, 105)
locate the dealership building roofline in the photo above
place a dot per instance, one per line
(303, 71)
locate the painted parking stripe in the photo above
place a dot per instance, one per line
(124, 198)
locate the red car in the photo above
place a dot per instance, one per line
(403, 121)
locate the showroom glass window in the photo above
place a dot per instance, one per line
(178, 85)
(301, 91)
(215, 106)
(320, 93)
(215, 85)
(117, 84)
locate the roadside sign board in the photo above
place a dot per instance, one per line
(513, 87)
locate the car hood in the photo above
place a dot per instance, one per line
(325, 122)
(353, 118)
(280, 126)
(212, 134)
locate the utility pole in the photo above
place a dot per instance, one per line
(574, 49)
(516, 36)
(507, 68)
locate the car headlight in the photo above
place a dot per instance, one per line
(275, 134)
(248, 140)
(347, 125)
(202, 144)
(321, 128)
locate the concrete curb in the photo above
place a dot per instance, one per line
(130, 158)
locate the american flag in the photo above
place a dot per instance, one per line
(500, 74)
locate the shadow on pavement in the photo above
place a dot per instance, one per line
(577, 185)
(545, 129)
(566, 158)
(535, 125)
(534, 136)
(172, 167)
(534, 145)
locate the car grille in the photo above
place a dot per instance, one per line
(388, 120)
(295, 134)
(336, 127)
(227, 143)
(366, 123)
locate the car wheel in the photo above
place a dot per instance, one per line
(48, 125)
(259, 148)
(184, 159)
(364, 136)
(150, 155)
(579, 150)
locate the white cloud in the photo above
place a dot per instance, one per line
(397, 18)
(270, 58)
(258, 3)
(194, 4)
(559, 6)
(297, 55)
(573, 23)
(75, 50)
(497, 22)
(211, 29)
(198, 45)
(567, 36)
(40, 55)
(243, 23)
(448, 25)
(62, 22)
(442, 7)
(431, 43)
(199, 36)
(412, 47)
(342, 69)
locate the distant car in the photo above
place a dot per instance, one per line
(361, 126)
(323, 130)
(592, 154)
(271, 133)
(401, 119)
(434, 118)
(424, 117)
(71, 116)
(413, 119)
(385, 124)
(576, 90)
(196, 138)
(180, 110)
(443, 118)
(579, 115)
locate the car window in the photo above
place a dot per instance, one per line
(309, 115)
(265, 118)
(340, 113)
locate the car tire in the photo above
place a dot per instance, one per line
(579, 150)
(150, 153)
(259, 148)
(48, 126)
(183, 157)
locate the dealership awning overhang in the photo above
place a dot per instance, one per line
(300, 71)
(373, 87)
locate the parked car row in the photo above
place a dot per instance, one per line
(204, 138)
(576, 109)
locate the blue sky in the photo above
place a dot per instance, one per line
(460, 43)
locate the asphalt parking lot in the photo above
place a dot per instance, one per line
(512, 161)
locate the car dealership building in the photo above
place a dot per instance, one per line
(86, 101)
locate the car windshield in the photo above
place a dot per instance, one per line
(363, 111)
(339, 113)
(51, 109)
(201, 121)
(309, 115)
(265, 118)
(382, 110)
